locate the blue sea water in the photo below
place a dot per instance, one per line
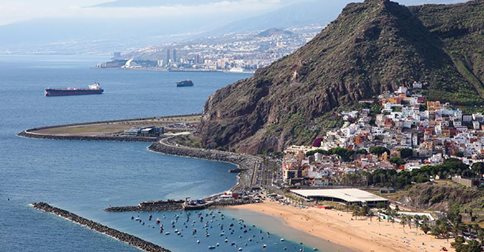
(86, 177)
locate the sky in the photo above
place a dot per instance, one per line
(13, 11)
(101, 26)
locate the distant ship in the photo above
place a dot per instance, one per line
(185, 83)
(94, 88)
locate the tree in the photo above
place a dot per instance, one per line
(406, 153)
(397, 161)
(478, 168)
(409, 221)
(425, 224)
(345, 154)
(378, 150)
(458, 243)
(403, 221)
(371, 215)
(425, 228)
(417, 219)
(473, 246)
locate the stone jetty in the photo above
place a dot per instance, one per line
(149, 206)
(130, 239)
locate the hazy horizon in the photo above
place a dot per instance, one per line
(100, 26)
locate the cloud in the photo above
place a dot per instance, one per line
(12, 11)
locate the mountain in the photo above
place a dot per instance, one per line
(300, 13)
(274, 32)
(151, 3)
(371, 47)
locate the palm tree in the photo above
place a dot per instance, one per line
(417, 222)
(409, 221)
(371, 214)
(403, 221)
(425, 222)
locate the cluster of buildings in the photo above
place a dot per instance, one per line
(150, 131)
(230, 52)
(429, 131)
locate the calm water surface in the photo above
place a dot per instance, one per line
(86, 177)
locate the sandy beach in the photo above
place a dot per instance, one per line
(341, 228)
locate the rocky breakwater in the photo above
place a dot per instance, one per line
(249, 165)
(130, 239)
(149, 206)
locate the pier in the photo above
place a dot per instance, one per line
(115, 130)
(125, 237)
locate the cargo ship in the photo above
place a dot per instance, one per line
(94, 88)
(185, 83)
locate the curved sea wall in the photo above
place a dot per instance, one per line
(112, 121)
(130, 239)
(247, 163)
(31, 132)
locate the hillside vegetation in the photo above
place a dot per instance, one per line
(372, 47)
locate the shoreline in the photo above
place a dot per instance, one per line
(343, 229)
(246, 163)
(113, 233)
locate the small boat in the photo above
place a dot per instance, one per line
(167, 233)
(282, 239)
(211, 247)
(185, 83)
(235, 170)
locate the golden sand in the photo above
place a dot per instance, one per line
(342, 228)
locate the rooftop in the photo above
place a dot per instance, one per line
(347, 194)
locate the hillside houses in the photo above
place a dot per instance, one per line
(431, 131)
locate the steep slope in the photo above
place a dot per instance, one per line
(460, 27)
(370, 48)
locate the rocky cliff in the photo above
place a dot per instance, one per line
(372, 47)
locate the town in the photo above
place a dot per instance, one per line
(240, 52)
(401, 131)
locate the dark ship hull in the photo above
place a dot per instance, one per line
(67, 92)
(185, 83)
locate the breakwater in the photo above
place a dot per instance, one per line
(28, 133)
(130, 239)
(247, 164)
(149, 206)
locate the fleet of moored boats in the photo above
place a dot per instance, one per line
(210, 221)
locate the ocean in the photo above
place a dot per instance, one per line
(85, 177)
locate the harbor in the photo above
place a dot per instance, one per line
(245, 191)
(124, 237)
